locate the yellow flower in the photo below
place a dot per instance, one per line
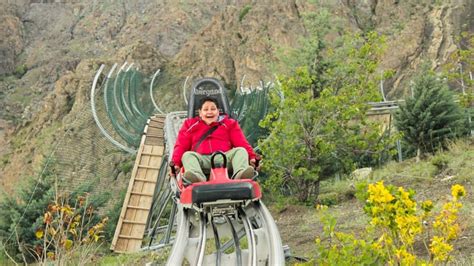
(68, 244)
(405, 199)
(67, 209)
(404, 257)
(39, 233)
(375, 221)
(321, 207)
(376, 246)
(379, 194)
(409, 226)
(440, 249)
(458, 191)
(453, 232)
(427, 205)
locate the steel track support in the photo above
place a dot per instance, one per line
(238, 251)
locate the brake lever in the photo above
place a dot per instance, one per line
(258, 158)
(173, 170)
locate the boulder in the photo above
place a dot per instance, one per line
(362, 174)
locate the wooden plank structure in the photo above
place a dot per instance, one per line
(382, 112)
(133, 218)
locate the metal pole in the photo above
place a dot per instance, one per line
(470, 120)
(462, 80)
(399, 150)
(381, 90)
(463, 87)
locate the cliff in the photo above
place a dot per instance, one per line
(49, 52)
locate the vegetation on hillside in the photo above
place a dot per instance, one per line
(320, 128)
(431, 178)
(315, 137)
(42, 223)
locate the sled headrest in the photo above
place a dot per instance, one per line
(208, 87)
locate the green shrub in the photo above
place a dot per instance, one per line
(126, 167)
(328, 199)
(20, 70)
(441, 162)
(337, 191)
(3, 257)
(114, 215)
(5, 160)
(244, 12)
(361, 190)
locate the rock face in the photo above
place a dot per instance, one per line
(233, 45)
(419, 32)
(11, 41)
(50, 50)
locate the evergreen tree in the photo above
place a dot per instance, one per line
(431, 116)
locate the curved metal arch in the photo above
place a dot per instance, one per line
(122, 107)
(129, 67)
(96, 118)
(242, 85)
(184, 90)
(107, 84)
(280, 92)
(118, 128)
(151, 92)
(124, 101)
(132, 98)
(115, 91)
(130, 115)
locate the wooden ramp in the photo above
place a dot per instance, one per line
(137, 204)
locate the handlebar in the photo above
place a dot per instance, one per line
(173, 170)
(223, 156)
(258, 158)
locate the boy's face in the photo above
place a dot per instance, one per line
(209, 112)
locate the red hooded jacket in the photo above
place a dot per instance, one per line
(227, 136)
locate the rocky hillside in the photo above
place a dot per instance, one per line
(50, 50)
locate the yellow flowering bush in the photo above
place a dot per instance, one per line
(458, 191)
(446, 226)
(395, 225)
(67, 230)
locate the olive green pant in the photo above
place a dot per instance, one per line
(237, 160)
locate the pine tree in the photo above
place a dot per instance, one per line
(431, 116)
(21, 215)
